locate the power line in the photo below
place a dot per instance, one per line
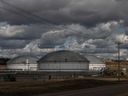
(15, 12)
(34, 16)
(38, 18)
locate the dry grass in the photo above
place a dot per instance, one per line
(28, 88)
(124, 94)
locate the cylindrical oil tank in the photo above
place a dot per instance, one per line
(63, 61)
(24, 63)
(96, 64)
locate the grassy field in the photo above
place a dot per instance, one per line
(29, 88)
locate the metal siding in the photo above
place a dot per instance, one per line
(96, 67)
(32, 67)
(64, 66)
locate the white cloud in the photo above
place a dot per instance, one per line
(73, 36)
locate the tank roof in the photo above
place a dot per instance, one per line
(94, 60)
(63, 56)
(22, 59)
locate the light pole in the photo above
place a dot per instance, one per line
(119, 42)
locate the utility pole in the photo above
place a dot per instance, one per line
(118, 70)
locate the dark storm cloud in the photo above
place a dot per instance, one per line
(88, 12)
(80, 34)
(22, 32)
(121, 0)
(80, 24)
(22, 11)
(13, 44)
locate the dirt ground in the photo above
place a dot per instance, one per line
(31, 87)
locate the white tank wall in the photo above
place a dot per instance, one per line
(31, 67)
(96, 67)
(64, 66)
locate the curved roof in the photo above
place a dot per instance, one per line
(63, 56)
(23, 60)
(94, 59)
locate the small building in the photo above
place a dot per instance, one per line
(23, 63)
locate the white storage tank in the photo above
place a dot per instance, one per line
(63, 61)
(96, 64)
(23, 63)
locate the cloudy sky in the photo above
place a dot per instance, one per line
(93, 26)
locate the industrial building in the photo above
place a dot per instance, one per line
(114, 66)
(63, 61)
(66, 63)
(23, 63)
(61, 64)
